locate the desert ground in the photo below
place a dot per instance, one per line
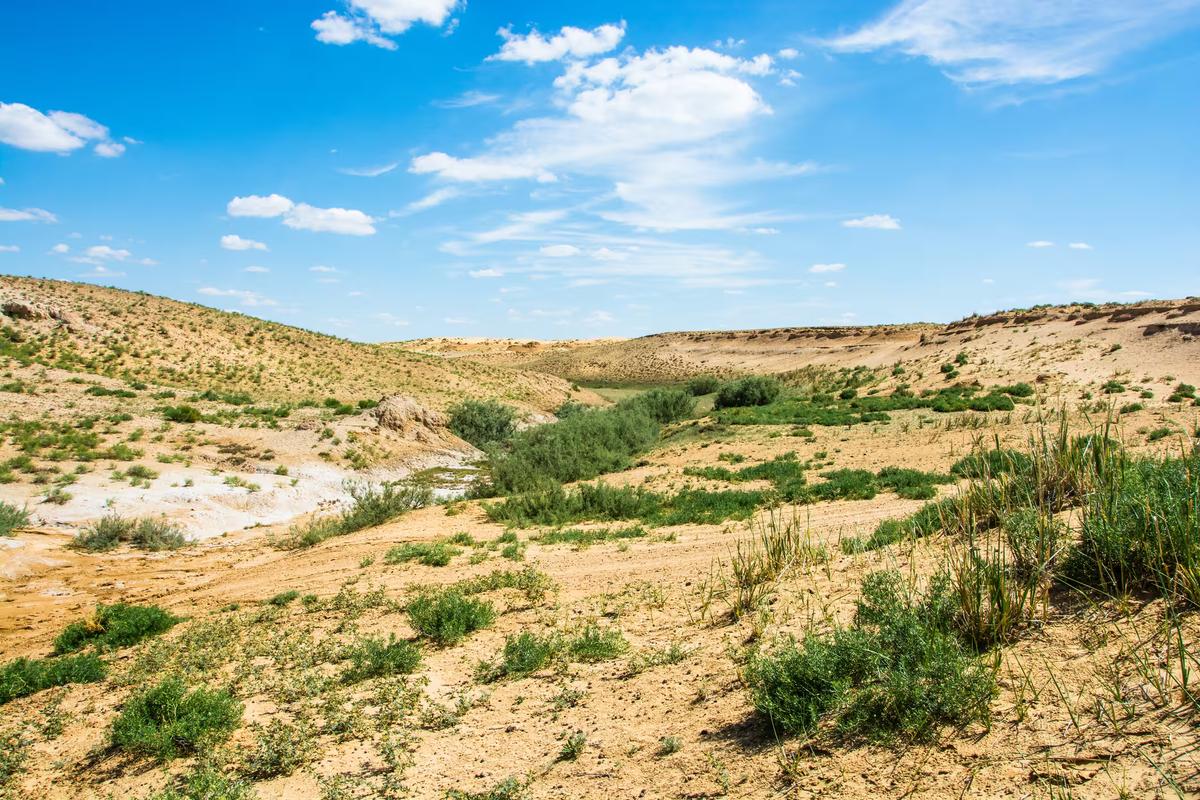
(620, 649)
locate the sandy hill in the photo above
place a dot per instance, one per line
(1079, 343)
(137, 336)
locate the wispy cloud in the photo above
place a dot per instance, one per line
(369, 172)
(467, 100)
(1005, 42)
(879, 222)
(234, 242)
(26, 215)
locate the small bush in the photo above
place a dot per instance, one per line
(483, 422)
(115, 626)
(278, 749)
(148, 533)
(595, 643)
(25, 676)
(447, 617)
(12, 518)
(284, 598)
(661, 405)
(375, 658)
(703, 384)
(751, 391)
(184, 414)
(898, 673)
(206, 783)
(431, 554)
(523, 654)
(167, 721)
(371, 505)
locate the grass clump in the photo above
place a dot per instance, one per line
(183, 414)
(449, 616)
(206, 783)
(26, 676)
(284, 598)
(371, 505)
(152, 534)
(595, 643)
(376, 658)
(115, 626)
(431, 554)
(586, 538)
(167, 721)
(898, 673)
(12, 518)
(278, 749)
(483, 422)
(754, 390)
(554, 505)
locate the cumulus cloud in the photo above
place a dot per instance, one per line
(1039, 244)
(60, 249)
(234, 242)
(489, 272)
(819, 268)
(103, 251)
(56, 132)
(570, 42)
(272, 205)
(880, 222)
(26, 215)
(1019, 41)
(1079, 246)
(374, 21)
(302, 216)
(663, 127)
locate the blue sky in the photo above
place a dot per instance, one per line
(387, 169)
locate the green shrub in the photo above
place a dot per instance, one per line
(580, 447)
(375, 658)
(206, 783)
(115, 626)
(754, 390)
(523, 654)
(12, 518)
(703, 384)
(1142, 532)
(147, 533)
(661, 405)
(482, 422)
(278, 749)
(371, 505)
(897, 673)
(554, 505)
(431, 554)
(25, 676)
(448, 616)
(283, 598)
(184, 414)
(167, 721)
(595, 643)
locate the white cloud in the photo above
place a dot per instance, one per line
(370, 172)
(788, 53)
(373, 21)
(232, 241)
(1019, 41)
(1079, 246)
(569, 42)
(101, 271)
(559, 250)
(245, 297)
(880, 222)
(57, 132)
(302, 216)
(322, 268)
(818, 268)
(476, 169)
(458, 321)
(467, 100)
(434, 198)
(60, 249)
(1039, 244)
(605, 254)
(256, 268)
(10, 248)
(489, 272)
(349, 222)
(103, 251)
(26, 215)
(272, 205)
(599, 318)
(664, 128)
(109, 149)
